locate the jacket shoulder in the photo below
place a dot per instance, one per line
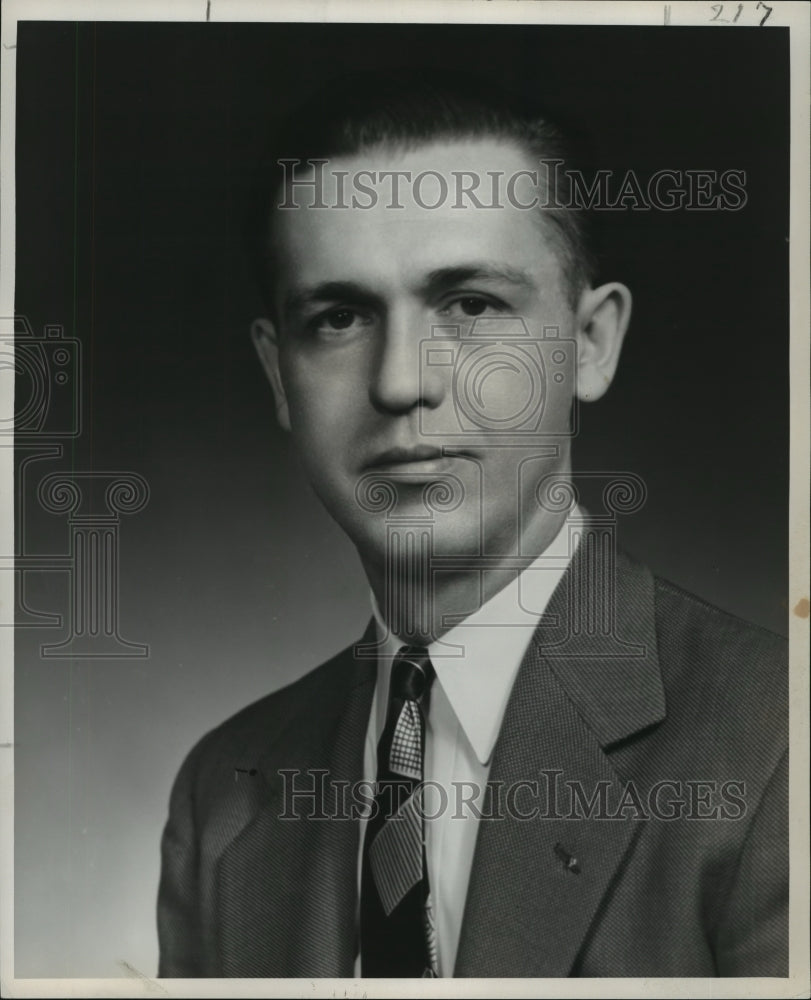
(692, 623)
(726, 672)
(247, 734)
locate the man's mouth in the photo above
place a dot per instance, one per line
(420, 458)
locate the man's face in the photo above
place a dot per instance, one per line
(358, 293)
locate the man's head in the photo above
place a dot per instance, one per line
(422, 336)
(400, 110)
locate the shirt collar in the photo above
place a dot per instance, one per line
(476, 661)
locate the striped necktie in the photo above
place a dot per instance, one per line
(397, 926)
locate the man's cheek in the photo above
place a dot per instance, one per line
(309, 405)
(558, 409)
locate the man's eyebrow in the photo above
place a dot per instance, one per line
(443, 278)
(327, 291)
(436, 281)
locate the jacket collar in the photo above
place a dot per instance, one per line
(600, 640)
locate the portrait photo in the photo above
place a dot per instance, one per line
(404, 537)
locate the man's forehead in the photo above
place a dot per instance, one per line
(430, 176)
(409, 253)
(365, 219)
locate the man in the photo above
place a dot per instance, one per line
(539, 760)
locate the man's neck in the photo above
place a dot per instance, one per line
(420, 605)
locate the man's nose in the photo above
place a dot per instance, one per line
(401, 381)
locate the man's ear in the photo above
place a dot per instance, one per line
(266, 341)
(603, 315)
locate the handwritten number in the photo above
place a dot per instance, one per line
(719, 10)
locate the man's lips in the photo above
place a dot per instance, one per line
(421, 457)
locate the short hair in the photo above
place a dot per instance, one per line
(408, 109)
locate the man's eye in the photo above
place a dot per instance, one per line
(338, 321)
(470, 305)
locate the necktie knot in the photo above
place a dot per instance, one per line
(411, 674)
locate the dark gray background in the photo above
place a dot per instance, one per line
(135, 150)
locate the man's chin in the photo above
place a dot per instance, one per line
(405, 540)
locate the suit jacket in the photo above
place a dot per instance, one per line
(616, 719)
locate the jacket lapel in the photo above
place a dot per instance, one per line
(287, 887)
(536, 883)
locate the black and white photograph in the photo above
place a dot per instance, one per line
(404, 499)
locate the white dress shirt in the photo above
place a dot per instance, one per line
(476, 663)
